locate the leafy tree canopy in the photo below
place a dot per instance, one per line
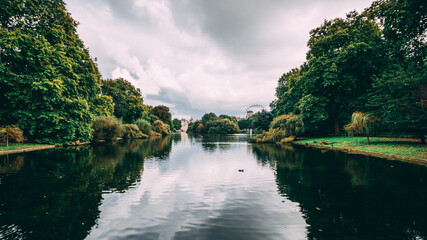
(163, 113)
(49, 85)
(128, 102)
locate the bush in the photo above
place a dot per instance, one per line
(161, 128)
(131, 131)
(281, 127)
(107, 128)
(144, 126)
(291, 124)
(222, 126)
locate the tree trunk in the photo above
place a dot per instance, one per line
(7, 139)
(337, 127)
(423, 139)
(367, 135)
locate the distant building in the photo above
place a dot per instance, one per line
(184, 124)
(249, 113)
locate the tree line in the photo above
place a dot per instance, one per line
(210, 123)
(371, 63)
(50, 87)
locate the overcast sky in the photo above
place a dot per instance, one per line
(199, 56)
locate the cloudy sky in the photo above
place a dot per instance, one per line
(198, 56)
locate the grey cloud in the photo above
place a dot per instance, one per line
(183, 106)
(243, 43)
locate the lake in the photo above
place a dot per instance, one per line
(212, 187)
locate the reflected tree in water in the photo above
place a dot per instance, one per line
(55, 194)
(351, 195)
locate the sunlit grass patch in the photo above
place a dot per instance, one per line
(393, 146)
(16, 146)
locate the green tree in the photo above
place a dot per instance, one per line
(398, 97)
(221, 126)
(343, 58)
(245, 123)
(313, 112)
(261, 120)
(208, 117)
(128, 102)
(49, 85)
(404, 24)
(163, 113)
(177, 124)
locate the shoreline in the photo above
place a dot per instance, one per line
(27, 149)
(366, 153)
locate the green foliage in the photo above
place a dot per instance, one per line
(104, 106)
(149, 117)
(291, 124)
(245, 123)
(398, 98)
(208, 117)
(261, 120)
(281, 127)
(231, 118)
(199, 128)
(128, 103)
(221, 126)
(161, 128)
(11, 133)
(49, 85)
(404, 25)
(131, 131)
(313, 112)
(354, 65)
(211, 124)
(163, 113)
(107, 128)
(176, 124)
(144, 126)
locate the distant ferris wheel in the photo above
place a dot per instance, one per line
(252, 109)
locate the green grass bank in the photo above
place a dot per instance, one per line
(16, 148)
(392, 148)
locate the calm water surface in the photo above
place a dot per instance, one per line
(184, 187)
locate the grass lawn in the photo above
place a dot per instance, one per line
(16, 146)
(393, 146)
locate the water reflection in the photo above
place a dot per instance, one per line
(55, 194)
(350, 196)
(184, 187)
(196, 194)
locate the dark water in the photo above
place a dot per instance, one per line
(191, 188)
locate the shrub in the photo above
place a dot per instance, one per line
(107, 128)
(144, 126)
(281, 127)
(222, 126)
(161, 128)
(131, 131)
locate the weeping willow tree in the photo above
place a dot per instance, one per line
(361, 123)
(11, 132)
